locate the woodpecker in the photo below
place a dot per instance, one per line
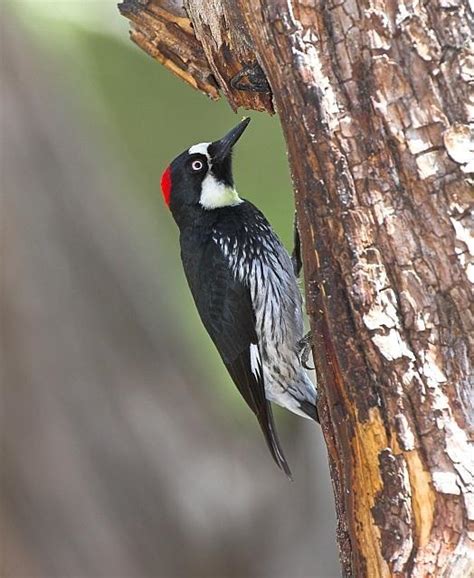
(243, 284)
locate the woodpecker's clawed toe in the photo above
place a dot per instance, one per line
(304, 347)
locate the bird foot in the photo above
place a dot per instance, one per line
(304, 346)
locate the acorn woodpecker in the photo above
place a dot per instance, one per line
(243, 284)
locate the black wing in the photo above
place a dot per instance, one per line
(225, 307)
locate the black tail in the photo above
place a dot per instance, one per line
(252, 389)
(265, 419)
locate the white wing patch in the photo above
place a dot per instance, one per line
(255, 361)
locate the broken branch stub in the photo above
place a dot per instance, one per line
(167, 35)
(211, 51)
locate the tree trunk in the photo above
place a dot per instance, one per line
(374, 99)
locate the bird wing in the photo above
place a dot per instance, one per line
(225, 306)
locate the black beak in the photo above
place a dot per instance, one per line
(220, 149)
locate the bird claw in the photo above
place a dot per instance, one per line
(304, 346)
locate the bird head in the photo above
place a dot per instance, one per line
(201, 177)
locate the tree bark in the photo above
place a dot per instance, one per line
(375, 100)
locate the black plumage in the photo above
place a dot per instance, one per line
(225, 307)
(243, 284)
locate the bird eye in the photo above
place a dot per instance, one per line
(197, 165)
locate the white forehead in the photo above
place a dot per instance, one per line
(200, 148)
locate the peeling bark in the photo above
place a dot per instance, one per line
(376, 102)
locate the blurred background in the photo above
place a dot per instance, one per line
(125, 449)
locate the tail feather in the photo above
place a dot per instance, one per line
(267, 424)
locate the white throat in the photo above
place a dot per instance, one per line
(214, 194)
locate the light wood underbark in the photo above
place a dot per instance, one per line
(375, 99)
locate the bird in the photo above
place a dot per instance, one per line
(243, 284)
